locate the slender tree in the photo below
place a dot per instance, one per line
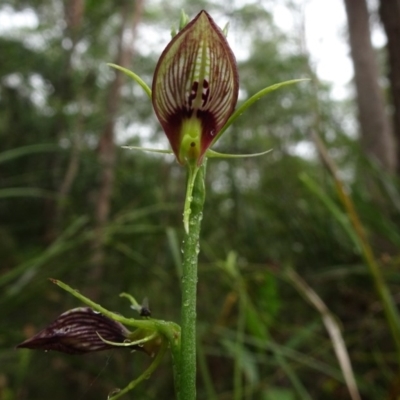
(73, 16)
(390, 15)
(106, 148)
(63, 83)
(376, 135)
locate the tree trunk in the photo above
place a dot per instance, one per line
(106, 148)
(376, 136)
(73, 14)
(390, 15)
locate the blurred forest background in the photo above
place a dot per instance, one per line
(76, 206)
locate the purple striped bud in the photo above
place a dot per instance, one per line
(77, 332)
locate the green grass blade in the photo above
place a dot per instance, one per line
(27, 150)
(25, 192)
(336, 212)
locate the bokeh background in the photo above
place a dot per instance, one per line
(76, 206)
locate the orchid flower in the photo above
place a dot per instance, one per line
(195, 88)
(194, 94)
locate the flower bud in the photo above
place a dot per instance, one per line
(79, 331)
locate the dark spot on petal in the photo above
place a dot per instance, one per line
(193, 93)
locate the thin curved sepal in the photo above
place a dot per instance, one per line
(128, 344)
(214, 154)
(158, 151)
(252, 100)
(210, 153)
(132, 75)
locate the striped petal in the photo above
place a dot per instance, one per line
(195, 88)
(77, 331)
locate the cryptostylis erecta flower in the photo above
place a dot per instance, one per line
(195, 88)
(194, 94)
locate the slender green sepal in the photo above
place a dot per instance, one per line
(135, 77)
(158, 151)
(129, 344)
(252, 100)
(214, 154)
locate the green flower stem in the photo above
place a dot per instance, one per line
(187, 361)
(187, 209)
